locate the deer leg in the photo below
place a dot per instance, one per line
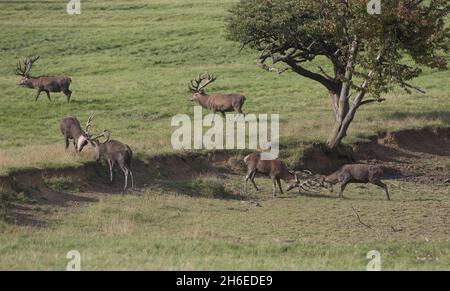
(343, 186)
(111, 165)
(274, 187)
(125, 172)
(67, 143)
(247, 177)
(132, 179)
(253, 181)
(223, 114)
(37, 96)
(68, 93)
(239, 110)
(48, 95)
(384, 186)
(279, 186)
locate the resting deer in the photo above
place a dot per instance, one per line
(114, 152)
(216, 102)
(71, 129)
(43, 83)
(275, 169)
(354, 173)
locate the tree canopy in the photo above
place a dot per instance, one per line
(382, 51)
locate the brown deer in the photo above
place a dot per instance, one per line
(275, 169)
(71, 129)
(114, 152)
(354, 173)
(216, 102)
(43, 83)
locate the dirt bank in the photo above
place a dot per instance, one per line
(420, 156)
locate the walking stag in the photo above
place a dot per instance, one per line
(42, 83)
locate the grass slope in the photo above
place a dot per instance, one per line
(130, 62)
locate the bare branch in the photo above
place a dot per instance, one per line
(325, 73)
(272, 69)
(404, 84)
(371, 101)
(359, 218)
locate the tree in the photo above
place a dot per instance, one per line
(369, 54)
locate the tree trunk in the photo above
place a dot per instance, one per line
(341, 124)
(343, 113)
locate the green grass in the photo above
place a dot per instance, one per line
(130, 62)
(172, 230)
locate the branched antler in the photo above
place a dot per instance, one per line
(23, 68)
(88, 127)
(196, 86)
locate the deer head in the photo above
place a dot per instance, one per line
(197, 88)
(23, 69)
(294, 183)
(83, 140)
(95, 141)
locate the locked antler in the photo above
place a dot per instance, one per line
(106, 134)
(88, 127)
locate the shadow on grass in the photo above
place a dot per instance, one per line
(205, 187)
(442, 115)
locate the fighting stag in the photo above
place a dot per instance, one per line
(353, 173)
(215, 102)
(42, 83)
(275, 169)
(71, 130)
(114, 152)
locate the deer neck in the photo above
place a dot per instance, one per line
(203, 100)
(287, 176)
(333, 178)
(31, 82)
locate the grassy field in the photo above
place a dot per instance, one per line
(130, 62)
(203, 225)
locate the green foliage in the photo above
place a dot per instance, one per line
(298, 31)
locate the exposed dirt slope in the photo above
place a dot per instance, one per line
(413, 155)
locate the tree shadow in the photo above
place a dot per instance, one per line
(441, 115)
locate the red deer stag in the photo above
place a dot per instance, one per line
(216, 102)
(114, 152)
(354, 173)
(275, 169)
(71, 129)
(43, 83)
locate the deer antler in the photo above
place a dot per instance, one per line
(105, 134)
(196, 84)
(89, 124)
(23, 68)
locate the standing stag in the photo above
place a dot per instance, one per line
(71, 129)
(114, 152)
(43, 83)
(275, 169)
(216, 102)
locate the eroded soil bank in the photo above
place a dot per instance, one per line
(420, 156)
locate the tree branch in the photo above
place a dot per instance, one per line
(325, 73)
(359, 218)
(271, 69)
(404, 84)
(329, 84)
(371, 101)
